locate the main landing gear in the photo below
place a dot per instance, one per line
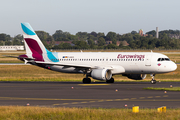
(110, 81)
(153, 81)
(86, 80)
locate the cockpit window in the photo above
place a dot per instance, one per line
(167, 59)
(163, 59)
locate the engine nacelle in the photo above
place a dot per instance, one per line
(136, 76)
(101, 74)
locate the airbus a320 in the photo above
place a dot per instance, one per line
(98, 65)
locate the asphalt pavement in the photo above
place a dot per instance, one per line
(94, 95)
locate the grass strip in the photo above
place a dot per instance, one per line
(47, 113)
(14, 61)
(167, 89)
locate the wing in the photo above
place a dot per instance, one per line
(67, 65)
(116, 69)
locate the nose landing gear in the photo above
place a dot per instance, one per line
(153, 81)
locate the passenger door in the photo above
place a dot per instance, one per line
(148, 60)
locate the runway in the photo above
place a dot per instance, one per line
(94, 95)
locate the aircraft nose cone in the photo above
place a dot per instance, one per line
(173, 67)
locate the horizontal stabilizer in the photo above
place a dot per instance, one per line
(19, 57)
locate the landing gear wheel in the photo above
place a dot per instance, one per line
(110, 81)
(86, 80)
(153, 81)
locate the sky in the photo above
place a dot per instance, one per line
(120, 16)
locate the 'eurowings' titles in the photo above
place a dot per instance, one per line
(131, 56)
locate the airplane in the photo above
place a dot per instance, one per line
(98, 65)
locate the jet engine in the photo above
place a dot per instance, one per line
(135, 76)
(101, 74)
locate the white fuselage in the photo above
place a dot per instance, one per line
(119, 62)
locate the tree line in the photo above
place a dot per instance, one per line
(168, 39)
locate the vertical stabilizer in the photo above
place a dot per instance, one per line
(34, 46)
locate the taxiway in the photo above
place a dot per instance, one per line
(94, 95)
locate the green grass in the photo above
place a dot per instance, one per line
(11, 61)
(167, 89)
(46, 113)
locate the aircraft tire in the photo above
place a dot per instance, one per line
(86, 80)
(153, 81)
(110, 81)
